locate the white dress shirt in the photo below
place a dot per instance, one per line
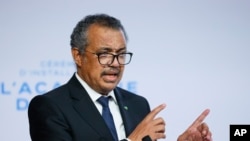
(114, 109)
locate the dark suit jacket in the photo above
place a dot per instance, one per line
(67, 113)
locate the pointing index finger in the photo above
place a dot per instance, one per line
(155, 111)
(200, 118)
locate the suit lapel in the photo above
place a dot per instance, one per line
(123, 103)
(83, 104)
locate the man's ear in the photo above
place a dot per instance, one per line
(76, 54)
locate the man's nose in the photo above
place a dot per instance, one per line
(115, 62)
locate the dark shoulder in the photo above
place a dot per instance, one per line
(127, 93)
(139, 103)
(130, 96)
(55, 95)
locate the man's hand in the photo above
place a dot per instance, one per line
(198, 131)
(150, 126)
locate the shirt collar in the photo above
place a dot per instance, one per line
(92, 93)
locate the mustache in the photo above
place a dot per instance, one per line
(110, 70)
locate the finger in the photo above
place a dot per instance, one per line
(159, 122)
(209, 136)
(155, 111)
(206, 134)
(200, 119)
(156, 136)
(160, 135)
(204, 129)
(159, 128)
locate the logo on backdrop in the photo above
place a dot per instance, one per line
(49, 75)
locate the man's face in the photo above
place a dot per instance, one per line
(102, 78)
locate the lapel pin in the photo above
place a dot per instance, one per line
(125, 107)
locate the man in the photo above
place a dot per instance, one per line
(75, 111)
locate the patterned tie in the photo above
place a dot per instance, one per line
(107, 116)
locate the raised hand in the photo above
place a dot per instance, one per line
(150, 126)
(198, 130)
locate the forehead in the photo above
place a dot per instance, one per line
(100, 37)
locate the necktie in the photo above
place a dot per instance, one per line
(107, 116)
